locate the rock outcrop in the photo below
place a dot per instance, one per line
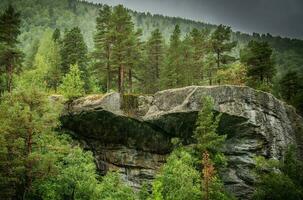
(135, 138)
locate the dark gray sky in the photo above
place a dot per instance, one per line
(278, 17)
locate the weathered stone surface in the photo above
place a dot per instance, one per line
(255, 122)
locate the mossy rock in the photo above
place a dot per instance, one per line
(130, 104)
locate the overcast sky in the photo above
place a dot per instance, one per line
(278, 17)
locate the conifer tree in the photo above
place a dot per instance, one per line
(206, 128)
(208, 143)
(122, 29)
(72, 85)
(171, 76)
(57, 35)
(221, 46)
(47, 62)
(258, 58)
(187, 62)
(74, 51)
(103, 44)
(154, 61)
(26, 114)
(10, 55)
(200, 49)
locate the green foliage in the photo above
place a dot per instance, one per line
(112, 187)
(280, 179)
(277, 187)
(221, 45)
(74, 51)
(257, 56)
(178, 179)
(26, 116)
(155, 58)
(144, 193)
(10, 55)
(171, 76)
(207, 123)
(291, 89)
(72, 85)
(70, 172)
(103, 40)
(122, 31)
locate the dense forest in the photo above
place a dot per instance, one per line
(74, 48)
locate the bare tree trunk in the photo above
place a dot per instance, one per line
(218, 65)
(109, 78)
(121, 79)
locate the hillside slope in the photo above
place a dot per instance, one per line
(38, 15)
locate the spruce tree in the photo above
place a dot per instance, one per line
(208, 143)
(74, 51)
(154, 60)
(207, 124)
(72, 85)
(10, 55)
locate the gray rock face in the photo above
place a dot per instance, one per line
(255, 122)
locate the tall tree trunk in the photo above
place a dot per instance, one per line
(130, 80)
(109, 78)
(218, 60)
(121, 79)
(218, 65)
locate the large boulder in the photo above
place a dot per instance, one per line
(134, 137)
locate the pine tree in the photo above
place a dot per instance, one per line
(122, 29)
(200, 47)
(171, 76)
(103, 44)
(72, 85)
(26, 114)
(258, 58)
(221, 46)
(154, 61)
(10, 55)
